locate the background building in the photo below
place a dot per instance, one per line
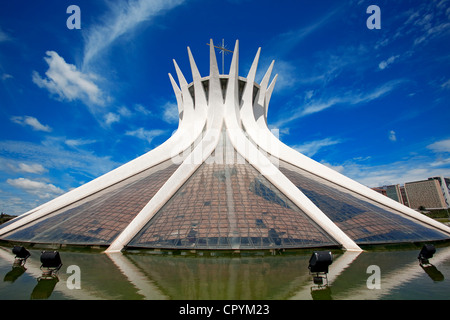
(393, 192)
(404, 196)
(445, 187)
(433, 193)
(380, 190)
(425, 193)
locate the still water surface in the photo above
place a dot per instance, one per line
(281, 277)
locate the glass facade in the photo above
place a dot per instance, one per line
(229, 205)
(225, 204)
(98, 219)
(363, 220)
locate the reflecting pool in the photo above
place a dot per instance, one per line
(373, 275)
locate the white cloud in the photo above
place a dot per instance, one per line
(170, 112)
(440, 146)
(123, 17)
(15, 205)
(78, 142)
(324, 67)
(440, 162)
(390, 173)
(392, 135)
(12, 165)
(143, 134)
(6, 76)
(430, 21)
(4, 36)
(111, 118)
(379, 92)
(309, 94)
(317, 106)
(31, 168)
(287, 41)
(433, 32)
(311, 148)
(287, 75)
(54, 158)
(412, 168)
(384, 64)
(65, 81)
(446, 84)
(41, 189)
(32, 122)
(142, 109)
(124, 112)
(137, 110)
(338, 168)
(53, 155)
(349, 98)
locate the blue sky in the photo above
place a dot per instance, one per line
(76, 103)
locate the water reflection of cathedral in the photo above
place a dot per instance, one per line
(157, 277)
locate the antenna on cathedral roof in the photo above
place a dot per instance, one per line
(223, 50)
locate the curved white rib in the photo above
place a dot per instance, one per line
(265, 167)
(200, 153)
(227, 113)
(261, 135)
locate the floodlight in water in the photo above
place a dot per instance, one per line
(21, 252)
(320, 261)
(427, 252)
(318, 264)
(51, 263)
(22, 255)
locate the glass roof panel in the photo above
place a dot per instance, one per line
(229, 205)
(363, 220)
(99, 218)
